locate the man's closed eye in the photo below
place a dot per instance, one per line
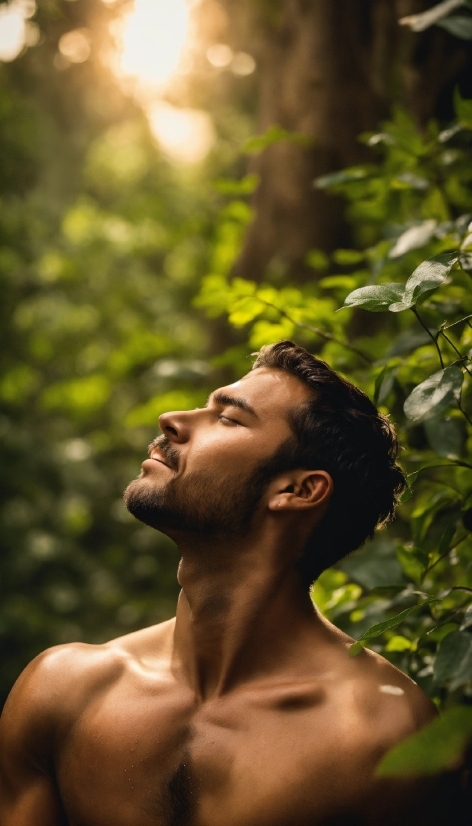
(227, 421)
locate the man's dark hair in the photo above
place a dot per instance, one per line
(338, 430)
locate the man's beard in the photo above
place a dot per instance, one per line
(202, 504)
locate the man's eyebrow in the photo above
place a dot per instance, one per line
(233, 401)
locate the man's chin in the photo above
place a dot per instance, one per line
(147, 504)
(138, 500)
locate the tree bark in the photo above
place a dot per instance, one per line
(329, 69)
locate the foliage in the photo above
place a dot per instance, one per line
(275, 134)
(408, 594)
(103, 247)
(102, 244)
(434, 749)
(452, 15)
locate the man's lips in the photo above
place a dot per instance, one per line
(163, 453)
(157, 456)
(154, 459)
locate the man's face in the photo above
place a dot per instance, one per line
(208, 472)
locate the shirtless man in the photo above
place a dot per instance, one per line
(246, 709)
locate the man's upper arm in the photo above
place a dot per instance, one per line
(398, 709)
(28, 796)
(434, 800)
(440, 800)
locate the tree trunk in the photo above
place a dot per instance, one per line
(329, 69)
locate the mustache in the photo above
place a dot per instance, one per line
(170, 453)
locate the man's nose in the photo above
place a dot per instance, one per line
(175, 426)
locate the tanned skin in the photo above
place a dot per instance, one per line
(244, 710)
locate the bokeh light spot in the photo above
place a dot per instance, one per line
(14, 28)
(219, 55)
(75, 46)
(186, 135)
(243, 64)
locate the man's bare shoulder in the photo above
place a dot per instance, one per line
(387, 704)
(150, 646)
(390, 699)
(392, 707)
(59, 683)
(371, 706)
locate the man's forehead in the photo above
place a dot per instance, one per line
(270, 392)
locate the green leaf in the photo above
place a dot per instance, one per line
(79, 397)
(467, 619)
(378, 384)
(149, 412)
(407, 180)
(374, 565)
(376, 298)
(238, 211)
(413, 562)
(445, 436)
(345, 258)
(356, 648)
(407, 341)
(384, 384)
(317, 259)
(449, 133)
(430, 17)
(465, 261)
(413, 237)
(467, 242)
(244, 310)
(377, 138)
(342, 282)
(412, 477)
(429, 275)
(274, 134)
(453, 662)
(381, 627)
(436, 748)
(345, 176)
(434, 395)
(429, 508)
(446, 539)
(398, 643)
(459, 25)
(246, 186)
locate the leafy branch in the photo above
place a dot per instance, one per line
(438, 391)
(316, 330)
(430, 334)
(443, 554)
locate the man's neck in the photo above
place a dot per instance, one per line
(241, 615)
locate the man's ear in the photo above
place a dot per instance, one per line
(301, 490)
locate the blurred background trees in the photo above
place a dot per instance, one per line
(331, 71)
(159, 220)
(103, 242)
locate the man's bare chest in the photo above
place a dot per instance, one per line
(160, 761)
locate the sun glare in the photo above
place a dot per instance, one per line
(153, 48)
(186, 135)
(153, 36)
(16, 31)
